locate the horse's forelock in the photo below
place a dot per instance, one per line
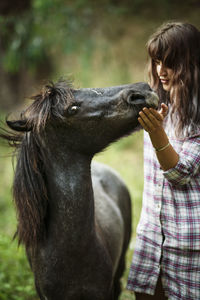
(51, 102)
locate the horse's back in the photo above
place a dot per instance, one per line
(112, 208)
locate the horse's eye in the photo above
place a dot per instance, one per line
(72, 109)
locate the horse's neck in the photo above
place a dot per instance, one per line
(70, 193)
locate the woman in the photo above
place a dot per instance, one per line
(166, 260)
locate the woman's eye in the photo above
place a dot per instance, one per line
(72, 109)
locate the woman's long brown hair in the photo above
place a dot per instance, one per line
(177, 46)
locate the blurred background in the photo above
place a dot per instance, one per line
(95, 43)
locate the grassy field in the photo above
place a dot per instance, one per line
(16, 280)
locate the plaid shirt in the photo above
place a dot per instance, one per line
(168, 234)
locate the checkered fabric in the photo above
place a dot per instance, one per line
(168, 234)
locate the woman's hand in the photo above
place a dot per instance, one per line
(151, 119)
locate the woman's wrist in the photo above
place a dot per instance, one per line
(159, 138)
(165, 153)
(162, 148)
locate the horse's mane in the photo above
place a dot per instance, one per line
(29, 187)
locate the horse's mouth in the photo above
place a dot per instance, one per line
(152, 100)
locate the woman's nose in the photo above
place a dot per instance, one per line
(162, 70)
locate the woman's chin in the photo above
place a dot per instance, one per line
(166, 87)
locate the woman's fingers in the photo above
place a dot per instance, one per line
(164, 110)
(150, 119)
(157, 114)
(146, 121)
(143, 124)
(153, 116)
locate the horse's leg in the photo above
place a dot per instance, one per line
(36, 284)
(39, 292)
(118, 275)
(112, 297)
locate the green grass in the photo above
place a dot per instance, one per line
(16, 279)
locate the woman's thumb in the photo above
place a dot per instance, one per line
(164, 109)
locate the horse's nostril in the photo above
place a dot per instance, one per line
(135, 97)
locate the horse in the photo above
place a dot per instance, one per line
(74, 214)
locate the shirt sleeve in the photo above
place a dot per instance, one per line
(188, 165)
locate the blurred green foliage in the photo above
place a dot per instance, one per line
(96, 42)
(48, 27)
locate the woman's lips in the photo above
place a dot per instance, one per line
(164, 81)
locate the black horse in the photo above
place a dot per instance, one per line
(74, 217)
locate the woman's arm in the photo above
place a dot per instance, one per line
(151, 120)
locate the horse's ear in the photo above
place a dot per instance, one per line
(20, 125)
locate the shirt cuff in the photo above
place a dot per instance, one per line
(178, 175)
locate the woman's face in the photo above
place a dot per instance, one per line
(164, 74)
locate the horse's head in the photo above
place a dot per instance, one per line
(102, 115)
(88, 119)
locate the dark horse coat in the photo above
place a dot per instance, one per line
(74, 217)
